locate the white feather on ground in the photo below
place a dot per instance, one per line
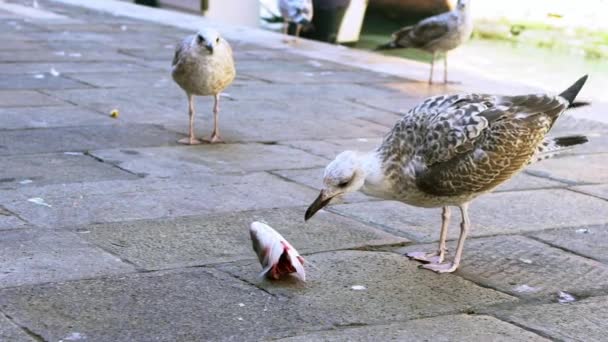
(277, 256)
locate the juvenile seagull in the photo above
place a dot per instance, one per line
(439, 33)
(203, 65)
(298, 12)
(447, 151)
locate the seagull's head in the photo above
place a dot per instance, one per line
(343, 175)
(207, 40)
(462, 5)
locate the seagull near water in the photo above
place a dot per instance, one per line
(437, 34)
(298, 12)
(203, 65)
(447, 151)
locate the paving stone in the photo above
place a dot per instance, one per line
(69, 67)
(231, 158)
(586, 320)
(588, 241)
(201, 240)
(395, 289)
(600, 191)
(113, 201)
(588, 169)
(526, 268)
(43, 117)
(61, 139)
(11, 45)
(439, 329)
(330, 148)
(34, 82)
(11, 332)
(271, 121)
(141, 307)
(313, 178)
(26, 98)
(38, 256)
(8, 220)
(248, 66)
(319, 92)
(38, 169)
(62, 56)
(526, 211)
(323, 76)
(524, 181)
(117, 80)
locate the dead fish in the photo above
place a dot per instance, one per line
(277, 256)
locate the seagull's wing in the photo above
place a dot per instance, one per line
(426, 31)
(179, 52)
(475, 142)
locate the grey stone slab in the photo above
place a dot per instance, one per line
(11, 332)
(600, 191)
(113, 201)
(55, 116)
(26, 98)
(202, 240)
(63, 56)
(38, 256)
(139, 105)
(398, 104)
(524, 181)
(40, 169)
(12, 44)
(69, 67)
(497, 213)
(186, 305)
(440, 329)
(247, 66)
(320, 76)
(395, 289)
(330, 148)
(270, 121)
(163, 54)
(231, 158)
(330, 91)
(583, 321)
(588, 241)
(62, 139)
(39, 81)
(574, 169)
(571, 123)
(118, 79)
(313, 178)
(527, 268)
(9, 220)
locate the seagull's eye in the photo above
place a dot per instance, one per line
(217, 40)
(343, 184)
(200, 39)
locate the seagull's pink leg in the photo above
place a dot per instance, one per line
(438, 256)
(191, 139)
(465, 226)
(215, 136)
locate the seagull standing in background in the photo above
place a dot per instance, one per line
(437, 34)
(298, 12)
(203, 65)
(447, 151)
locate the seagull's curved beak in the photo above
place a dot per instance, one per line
(209, 47)
(317, 205)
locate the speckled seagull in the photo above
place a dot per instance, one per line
(447, 151)
(439, 33)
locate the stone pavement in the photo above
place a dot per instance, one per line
(110, 231)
